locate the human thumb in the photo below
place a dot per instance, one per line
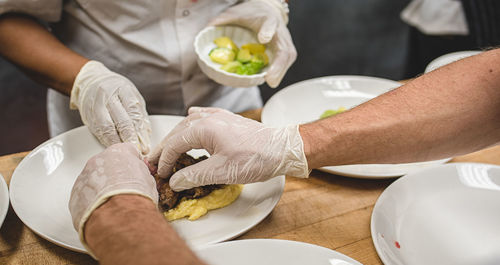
(199, 174)
(267, 30)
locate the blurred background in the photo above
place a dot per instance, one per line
(332, 37)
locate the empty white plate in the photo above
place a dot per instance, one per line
(271, 252)
(4, 199)
(448, 214)
(41, 185)
(305, 101)
(448, 58)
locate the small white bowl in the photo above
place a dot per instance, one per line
(204, 43)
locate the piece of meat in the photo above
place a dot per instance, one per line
(168, 198)
(199, 192)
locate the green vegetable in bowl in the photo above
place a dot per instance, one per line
(331, 112)
(254, 47)
(232, 67)
(225, 42)
(260, 58)
(249, 68)
(222, 55)
(248, 60)
(244, 56)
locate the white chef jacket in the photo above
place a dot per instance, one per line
(436, 17)
(148, 41)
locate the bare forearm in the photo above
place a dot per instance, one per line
(451, 111)
(128, 229)
(38, 53)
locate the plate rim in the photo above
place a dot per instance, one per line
(458, 55)
(328, 169)
(281, 91)
(281, 180)
(4, 189)
(376, 207)
(273, 240)
(12, 189)
(11, 195)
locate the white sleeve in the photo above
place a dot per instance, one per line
(46, 10)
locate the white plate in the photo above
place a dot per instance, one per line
(305, 101)
(41, 185)
(4, 199)
(448, 58)
(448, 214)
(271, 252)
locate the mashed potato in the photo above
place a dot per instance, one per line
(196, 208)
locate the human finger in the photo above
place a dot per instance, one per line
(102, 126)
(123, 123)
(268, 30)
(135, 107)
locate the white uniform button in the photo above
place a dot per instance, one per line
(185, 13)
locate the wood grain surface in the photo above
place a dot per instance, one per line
(325, 209)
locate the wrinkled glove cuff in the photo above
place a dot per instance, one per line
(280, 5)
(87, 73)
(295, 158)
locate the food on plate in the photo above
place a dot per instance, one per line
(196, 202)
(195, 208)
(330, 112)
(248, 60)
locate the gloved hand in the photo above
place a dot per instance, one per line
(111, 106)
(267, 18)
(117, 170)
(242, 150)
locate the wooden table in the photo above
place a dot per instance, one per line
(326, 210)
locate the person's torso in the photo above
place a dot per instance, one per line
(149, 42)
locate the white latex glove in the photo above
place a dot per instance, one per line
(111, 106)
(267, 18)
(117, 170)
(242, 150)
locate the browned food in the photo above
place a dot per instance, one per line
(168, 198)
